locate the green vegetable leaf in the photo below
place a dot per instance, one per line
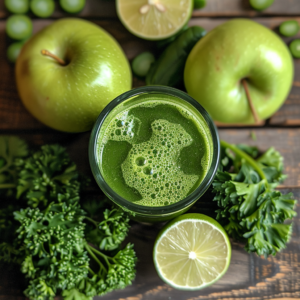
(57, 243)
(249, 207)
(48, 173)
(271, 163)
(11, 149)
(74, 294)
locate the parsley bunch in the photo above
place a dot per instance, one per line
(64, 246)
(249, 207)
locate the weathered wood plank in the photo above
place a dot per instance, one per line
(241, 8)
(225, 8)
(286, 141)
(14, 116)
(248, 277)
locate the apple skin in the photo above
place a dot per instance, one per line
(235, 50)
(70, 98)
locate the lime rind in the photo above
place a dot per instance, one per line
(166, 23)
(188, 218)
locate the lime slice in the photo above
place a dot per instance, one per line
(154, 19)
(192, 252)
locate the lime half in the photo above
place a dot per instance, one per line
(192, 252)
(154, 19)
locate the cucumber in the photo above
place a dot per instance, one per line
(198, 4)
(168, 69)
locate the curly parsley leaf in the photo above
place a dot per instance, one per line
(249, 207)
(11, 149)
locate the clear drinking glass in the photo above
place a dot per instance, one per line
(158, 213)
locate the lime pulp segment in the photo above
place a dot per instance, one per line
(192, 254)
(154, 19)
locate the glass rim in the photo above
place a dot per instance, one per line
(155, 210)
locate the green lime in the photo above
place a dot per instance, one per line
(154, 20)
(199, 4)
(261, 4)
(289, 28)
(192, 252)
(13, 51)
(141, 63)
(42, 8)
(295, 48)
(19, 27)
(72, 6)
(17, 6)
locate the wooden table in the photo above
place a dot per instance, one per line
(249, 276)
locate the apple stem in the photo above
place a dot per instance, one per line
(254, 113)
(47, 53)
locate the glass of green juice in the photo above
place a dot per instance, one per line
(154, 151)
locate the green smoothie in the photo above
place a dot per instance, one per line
(154, 150)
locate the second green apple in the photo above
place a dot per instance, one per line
(239, 50)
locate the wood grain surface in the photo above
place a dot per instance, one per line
(249, 276)
(214, 8)
(15, 116)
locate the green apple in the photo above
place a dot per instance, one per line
(70, 97)
(239, 51)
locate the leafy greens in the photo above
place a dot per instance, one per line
(249, 207)
(63, 245)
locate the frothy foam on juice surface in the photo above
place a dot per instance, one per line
(152, 166)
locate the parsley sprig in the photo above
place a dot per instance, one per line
(249, 207)
(65, 246)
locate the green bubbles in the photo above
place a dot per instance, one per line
(140, 161)
(122, 128)
(152, 167)
(148, 171)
